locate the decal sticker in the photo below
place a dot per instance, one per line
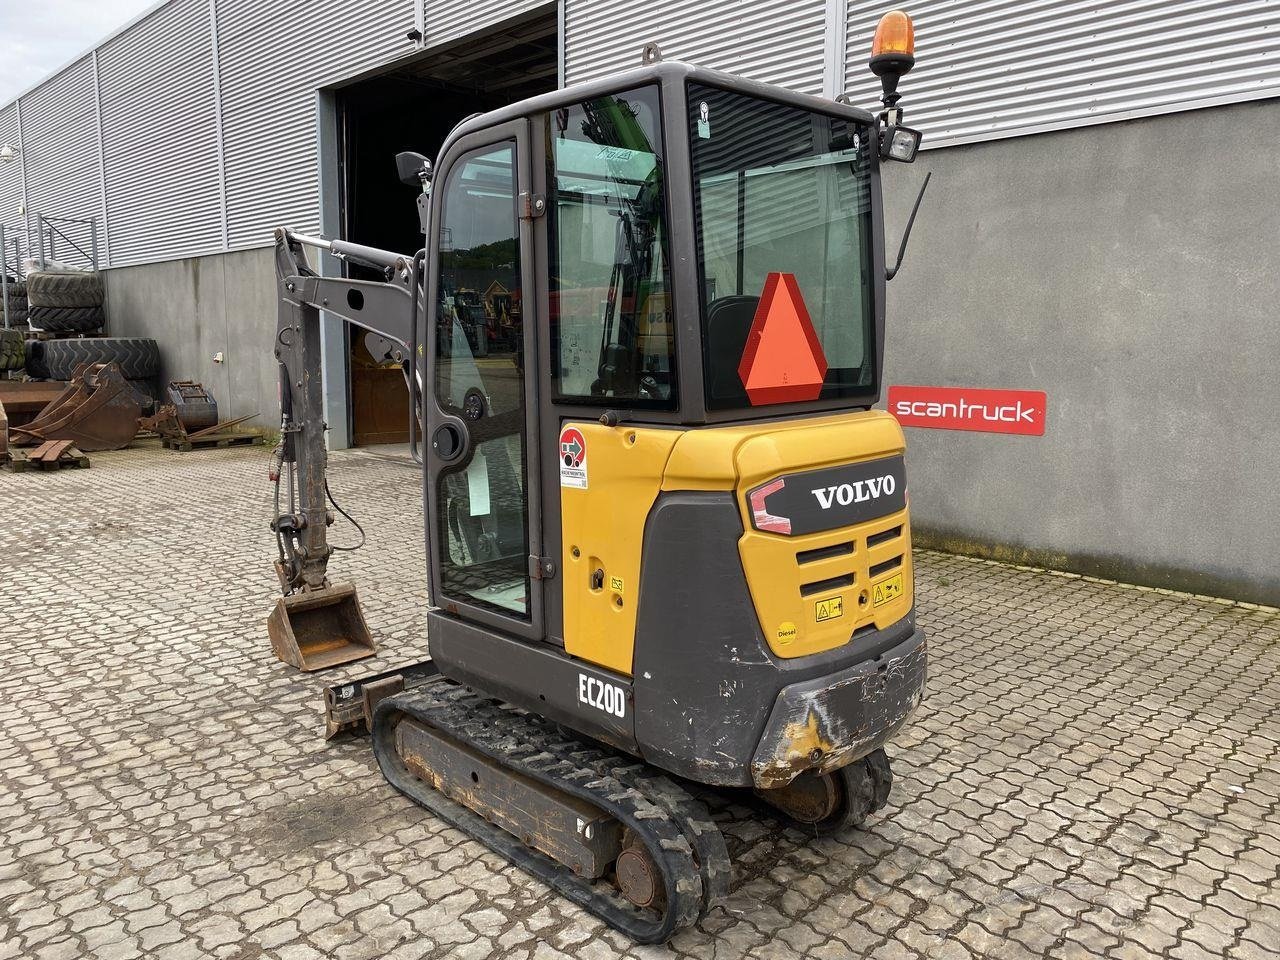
(704, 121)
(782, 361)
(606, 697)
(831, 608)
(966, 408)
(841, 496)
(615, 584)
(573, 458)
(886, 591)
(786, 632)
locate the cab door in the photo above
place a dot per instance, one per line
(479, 392)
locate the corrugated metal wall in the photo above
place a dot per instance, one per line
(10, 178)
(208, 107)
(60, 130)
(1008, 67)
(442, 23)
(777, 41)
(159, 142)
(272, 58)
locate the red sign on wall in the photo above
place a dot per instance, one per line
(966, 408)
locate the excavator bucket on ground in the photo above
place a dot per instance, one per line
(97, 411)
(320, 628)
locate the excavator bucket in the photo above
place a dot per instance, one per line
(97, 411)
(322, 628)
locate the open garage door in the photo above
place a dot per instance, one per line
(414, 108)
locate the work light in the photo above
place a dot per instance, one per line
(901, 143)
(893, 54)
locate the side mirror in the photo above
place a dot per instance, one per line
(413, 169)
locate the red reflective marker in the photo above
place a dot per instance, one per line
(783, 360)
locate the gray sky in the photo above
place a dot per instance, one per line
(38, 38)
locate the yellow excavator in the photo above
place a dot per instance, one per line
(667, 535)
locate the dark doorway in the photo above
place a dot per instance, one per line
(414, 108)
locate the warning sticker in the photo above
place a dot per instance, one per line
(831, 608)
(573, 458)
(886, 591)
(615, 584)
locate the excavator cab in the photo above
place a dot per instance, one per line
(662, 518)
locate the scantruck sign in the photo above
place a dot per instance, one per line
(965, 408)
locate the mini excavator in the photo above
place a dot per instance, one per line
(667, 535)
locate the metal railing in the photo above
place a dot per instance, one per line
(7, 243)
(53, 229)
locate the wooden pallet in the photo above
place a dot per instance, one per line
(230, 439)
(50, 455)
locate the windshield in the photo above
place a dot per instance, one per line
(610, 314)
(782, 202)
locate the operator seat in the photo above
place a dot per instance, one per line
(728, 323)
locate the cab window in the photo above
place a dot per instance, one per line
(612, 336)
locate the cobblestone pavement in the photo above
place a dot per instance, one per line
(1095, 772)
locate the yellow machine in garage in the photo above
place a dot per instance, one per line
(667, 536)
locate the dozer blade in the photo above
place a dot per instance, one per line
(97, 411)
(321, 628)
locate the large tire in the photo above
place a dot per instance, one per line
(139, 357)
(18, 289)
(35, 360)
(66, 319)
(18, 315)
(13, 350)
(82, 289)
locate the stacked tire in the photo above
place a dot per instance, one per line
(138, 357)
(12, 350)
(65, 301)
(16, 301)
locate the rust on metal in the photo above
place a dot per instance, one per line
(98, 410)
(164, 422)
(809, 798)
(219, 427)
(315, 629)
(824, 726)
(569, 829)
(639, 879)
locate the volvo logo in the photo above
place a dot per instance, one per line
(858, 491)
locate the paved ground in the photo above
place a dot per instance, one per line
(1096, 770)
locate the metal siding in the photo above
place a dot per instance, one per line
(158, 137)
(10, 174)
(775, 41)
(1004, 68)
(270, 66)
(443, 22)
(60, 151)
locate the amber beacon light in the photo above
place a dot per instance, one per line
(893, 54)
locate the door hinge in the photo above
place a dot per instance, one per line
(532, 205)
(541, 568)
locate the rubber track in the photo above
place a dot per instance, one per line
(618, 785)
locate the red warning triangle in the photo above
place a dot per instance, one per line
(783, 360)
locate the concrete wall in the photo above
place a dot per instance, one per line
(194, 309)
(1128, 270)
